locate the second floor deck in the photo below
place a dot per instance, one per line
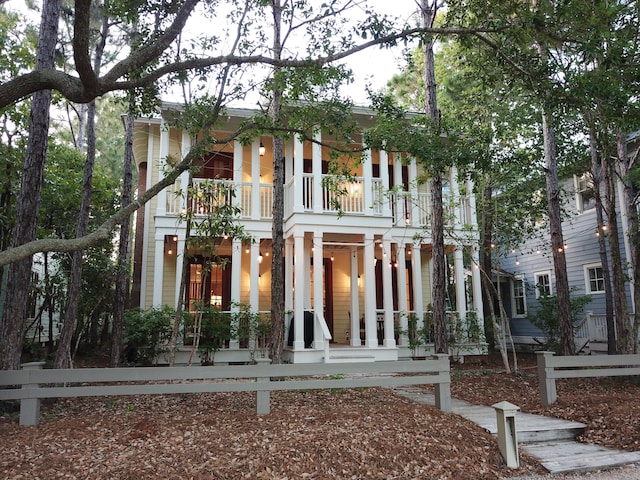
(327, 194)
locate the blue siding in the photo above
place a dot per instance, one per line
(535, 255)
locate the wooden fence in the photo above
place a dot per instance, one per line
(550, 368)
(37, 383)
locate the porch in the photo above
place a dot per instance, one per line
(323, 194)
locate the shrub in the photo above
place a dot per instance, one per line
(146, 333)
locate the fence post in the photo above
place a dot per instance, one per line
(263, 398)
(443, 389)
(30, 406)
(548, 394)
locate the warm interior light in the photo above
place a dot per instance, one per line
(262, 149)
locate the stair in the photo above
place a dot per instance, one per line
(548, 439)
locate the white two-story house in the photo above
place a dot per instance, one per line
(351, 280)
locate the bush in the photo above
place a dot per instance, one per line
(146, 332)
(546, 317)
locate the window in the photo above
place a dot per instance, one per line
(519, 298)
(543, 284)
(594, 279)
(585, 196)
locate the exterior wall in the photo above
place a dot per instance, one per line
(582, 249)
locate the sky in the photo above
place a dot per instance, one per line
(374, 66)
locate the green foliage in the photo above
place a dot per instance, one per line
(546, 317)
(216, 329)
(145, 334)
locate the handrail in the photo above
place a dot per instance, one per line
(326, 334)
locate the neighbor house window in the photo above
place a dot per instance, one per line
(594, 278)
(543, 284)
(585, 196)
(519, 298)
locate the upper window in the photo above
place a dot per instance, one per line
(543, 284)
(585, 196)
(594, 279)
(519, 297)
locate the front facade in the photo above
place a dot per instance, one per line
(352, 281)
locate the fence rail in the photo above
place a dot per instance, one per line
(37, 383)
(551, 368)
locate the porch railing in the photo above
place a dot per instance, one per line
(347, 197)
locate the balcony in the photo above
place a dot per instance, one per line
(345, 197)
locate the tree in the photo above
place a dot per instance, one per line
(155, 59)
(13, 324)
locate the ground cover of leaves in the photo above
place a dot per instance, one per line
(346, 433)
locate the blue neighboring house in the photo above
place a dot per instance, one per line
(528, 271)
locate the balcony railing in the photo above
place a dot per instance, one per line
(347, 197)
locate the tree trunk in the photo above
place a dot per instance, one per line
(555, 232)
(184, 280)
(124, 252)
(625, 165)
(617, 269)
(486, 260)
(428, 10)
(12, 328)
(277, 234)
(598, 187)
(63, 355)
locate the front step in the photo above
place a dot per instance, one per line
(569, 456)
(350, 358)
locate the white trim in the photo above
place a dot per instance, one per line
(518, 278)
(587, 280)
(536, 276)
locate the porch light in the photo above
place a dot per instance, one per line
(260, 259)
(332, 259)
(169, 252)
(262, 149)
(175, 239)
(517, 262)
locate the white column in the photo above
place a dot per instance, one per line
(384, 178)
(318, 296)
(298, 167)
(413, 188)
(236, 273)
(162, 163)
(371, 340)
(158, 271)
(179, 263)
(387, 295)
(455, 194)
(255, 179)
(147, 220)
(477, 290)
(355, 300)
(458, 267)
(416, 269)
(472, 206)
(254, 274)
(288, 283)
(237, 175)
(298, 294)
(367, 187)
(403, 304)
(184, 176)
(316, 166)
(397, 179)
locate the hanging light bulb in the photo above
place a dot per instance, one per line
(262, 149)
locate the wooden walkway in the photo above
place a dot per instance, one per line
(550, 440)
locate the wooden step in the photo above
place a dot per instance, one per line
(569, 456)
